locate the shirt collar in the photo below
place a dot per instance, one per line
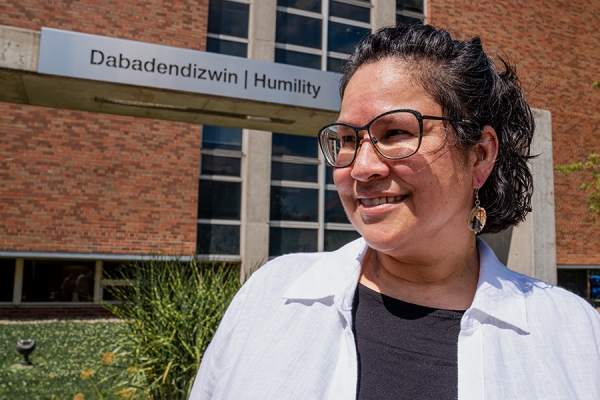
(500, 292)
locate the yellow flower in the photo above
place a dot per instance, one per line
(79, 396)
(108, 357)
(125, 393)
(86, 373)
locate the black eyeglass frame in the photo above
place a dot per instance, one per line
(374, 141)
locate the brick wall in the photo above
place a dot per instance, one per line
(93, 183)
(555, 45)
(74, 181)
(172, 23)
(53, 312)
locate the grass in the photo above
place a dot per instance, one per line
(64, 349)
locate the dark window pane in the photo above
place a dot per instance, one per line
(228, 47)
(403, 19)
(348, 11)
(294, 172)
(342, 38)
(335, 64)
(228, 18)
(294, 204)
(334, 211)
(71, 281)
(298, 30)
(107, 293)
(336, 239)
(293, 145)
(214, 165)
(329, 175)
(7, 278)
(291, 240)
(574, 280)
(296, 58)
(306, 5)
(220, 137)
(218, 239)
(411, 5)
(595, 284)
(116, 270)
(219, 200)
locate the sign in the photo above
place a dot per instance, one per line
(100, 58)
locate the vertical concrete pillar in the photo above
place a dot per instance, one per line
(255, 200)
(383, 14)
(256, 193)
(533, 242)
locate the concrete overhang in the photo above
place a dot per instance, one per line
(21, 83)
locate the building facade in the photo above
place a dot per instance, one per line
(95, 173)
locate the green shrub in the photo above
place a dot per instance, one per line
(170, 312)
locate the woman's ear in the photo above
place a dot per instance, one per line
(486, 152)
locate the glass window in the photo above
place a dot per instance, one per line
(329, 175)
(214, 45)
(292, 145)
(296, 58)
(595, 284)
(306, 5)
(219, 200)
(218, 239)
(342, 38)
(220, 137)
(334, 211)
(228, 18)
(298, 30)
(294, 172)
(213, 165)
(410, 5)
(335, 64)
(115, 270)
(349, 11)
(7, 278)
(574, 280)
(51, 281)
(336, 239)
(294, 204)
(407, 20)
(291, 240)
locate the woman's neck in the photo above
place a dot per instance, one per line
(448, 282)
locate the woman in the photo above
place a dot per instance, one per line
(430, 148)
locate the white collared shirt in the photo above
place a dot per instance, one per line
(288, 335)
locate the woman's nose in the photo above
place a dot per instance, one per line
(368, 163)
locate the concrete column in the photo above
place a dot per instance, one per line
(530, 248)
(261, 30)
(256, 192)
(533, 244)
(256, 186)
(383, 13)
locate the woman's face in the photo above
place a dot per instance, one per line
(412, 208)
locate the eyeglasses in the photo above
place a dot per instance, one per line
(394, 134)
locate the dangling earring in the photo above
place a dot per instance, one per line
(477, 217)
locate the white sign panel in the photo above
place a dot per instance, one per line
(80, 55)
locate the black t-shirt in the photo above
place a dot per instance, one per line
(405, 351)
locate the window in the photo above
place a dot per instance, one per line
(7, 279)
(306, 214)
(228, 27)
(320, 34)
(220, 191)
(410, 11)
(583, 282)
(58, 281)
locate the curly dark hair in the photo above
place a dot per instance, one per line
(468, 86)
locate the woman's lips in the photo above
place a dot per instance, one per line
(375, 201)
